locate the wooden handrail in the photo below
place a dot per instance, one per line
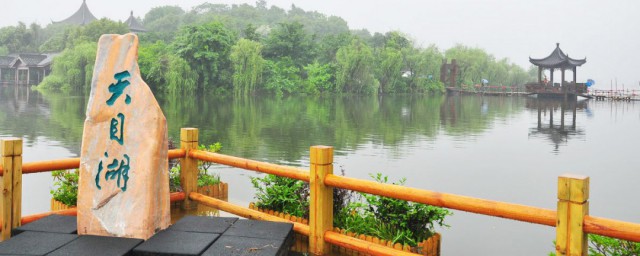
(330, 236)
(612, 228)
(175, 196)
(285, 171)
(50, 165)
(591, 224)
(73, 163)
(469, 204)
(245, 212)
(362, 246)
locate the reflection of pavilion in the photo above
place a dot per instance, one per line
(559, 132)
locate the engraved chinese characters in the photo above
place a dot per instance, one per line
(123, 188)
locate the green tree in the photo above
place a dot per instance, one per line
(354, 68)
(164, 70)
(282, 76)
(73, 69)
(389, 69)
(247, 65)
(289, 40)
(206, 48)
(163, 23)
(320, 78)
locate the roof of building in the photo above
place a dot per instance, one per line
(81, 17)
(28, 59)
(31, 59)
(5, 61)
(134, 24)
(557, 59)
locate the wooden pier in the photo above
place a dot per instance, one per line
(617, 95)
(488, 91)
(571, 218)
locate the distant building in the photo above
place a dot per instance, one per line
(25, 68)
(134, 25)
(81, 17)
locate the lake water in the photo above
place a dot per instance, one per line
(488, 147)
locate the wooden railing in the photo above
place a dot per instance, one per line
(571, 217)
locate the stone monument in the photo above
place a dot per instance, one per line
(124, 181)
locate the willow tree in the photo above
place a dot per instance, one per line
(73, 69)
(355, 68)
(247, 61)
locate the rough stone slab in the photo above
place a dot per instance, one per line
(241, 246)
(260, 229)
(170, 242)
(98, 246)
(52, 224)
(124, 180)
(203, 224)
(35, 243)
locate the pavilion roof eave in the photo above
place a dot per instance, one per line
(557, 59)
(82, 16)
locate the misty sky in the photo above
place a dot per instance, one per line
(606, 32)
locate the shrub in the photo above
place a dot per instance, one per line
(387, 218)
(204, 177)
(282, 194)
(65, 186)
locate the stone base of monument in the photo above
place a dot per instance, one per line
(192, 235)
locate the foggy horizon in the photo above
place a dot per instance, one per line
(603, 32)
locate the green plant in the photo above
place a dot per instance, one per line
(282, 194)
(65, 186)
(393, 219)
(607, 246)
(204, 177)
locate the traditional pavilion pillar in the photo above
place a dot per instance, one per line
(551, 78)
(539, 74)
(562, 81)
(574, 75)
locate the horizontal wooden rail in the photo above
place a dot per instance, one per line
(73, 163)
(612, 228)
(177, 153)
(284, 171)
(245, 212)
(362, 246)
(51, 165)
(457, 202)
(330, 236)
(175, 196)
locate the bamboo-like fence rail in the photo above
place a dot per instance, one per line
(571, 217)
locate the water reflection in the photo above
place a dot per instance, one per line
(556, 131)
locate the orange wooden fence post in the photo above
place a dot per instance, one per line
(188, 165)
(573, 205)
(321, 205)
(11, 207)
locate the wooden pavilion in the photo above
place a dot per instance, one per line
(550, 88)
(134, 25)
(81, 17)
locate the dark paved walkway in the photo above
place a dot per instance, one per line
(192, 235)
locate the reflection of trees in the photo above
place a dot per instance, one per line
(273, 128)
(284, 128)
(556, 130)
(29, 114)
(472, 114)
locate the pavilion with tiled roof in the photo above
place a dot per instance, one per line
(134, 25)
(557, 60)
(81, 17)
